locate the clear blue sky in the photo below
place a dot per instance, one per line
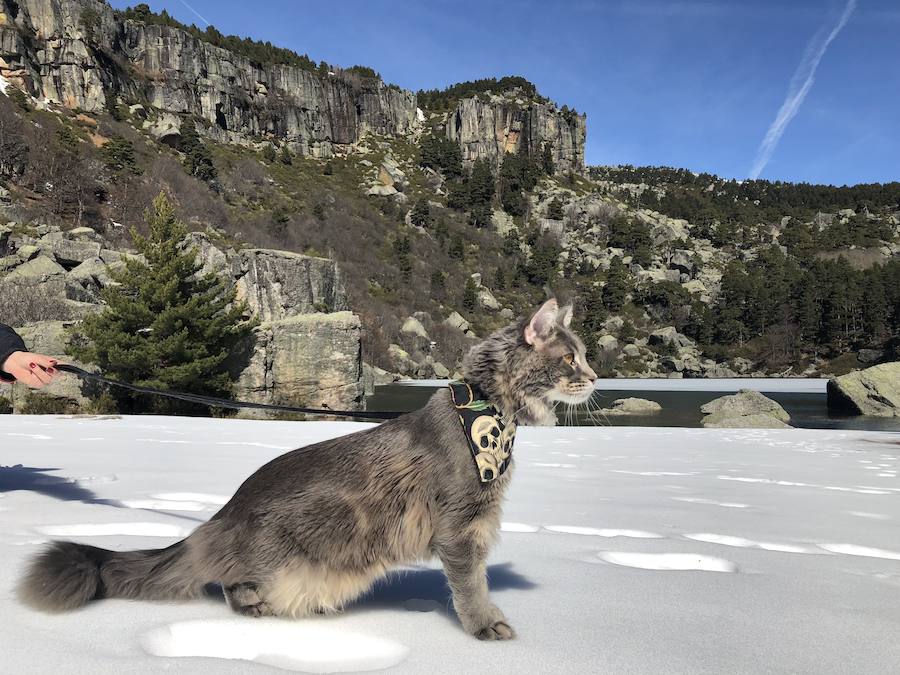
(693, 83)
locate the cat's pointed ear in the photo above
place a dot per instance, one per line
(565, 316)
(541, 325)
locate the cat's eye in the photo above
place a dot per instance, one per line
(569, 358)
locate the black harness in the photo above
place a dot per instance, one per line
(490, 437)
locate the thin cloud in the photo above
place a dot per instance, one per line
(801, 83)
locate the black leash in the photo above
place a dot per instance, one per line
(214, 402)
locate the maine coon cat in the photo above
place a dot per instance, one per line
(314, 528)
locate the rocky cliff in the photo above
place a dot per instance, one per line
(490, 129)
(79, 52)
(82, 54)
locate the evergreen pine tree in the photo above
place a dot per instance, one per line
(421, 213)
(441, 232)
(165, 325)
(500, 279)
(555, 210)
(617, 285)
(547, 159)
(269, 154)
(470, 295)
(457, 248)
(402, 249)
(197, 157)
(438, 285)
(481, 183)
(511, 242)
(285, 156)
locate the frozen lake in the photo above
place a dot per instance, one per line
(639, 550)
(680, 399)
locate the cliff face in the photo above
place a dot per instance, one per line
(77, 53)
(48, 49)
(491, 129)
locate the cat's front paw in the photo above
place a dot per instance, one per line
(498, 630)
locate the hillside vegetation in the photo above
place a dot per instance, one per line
(673, 273)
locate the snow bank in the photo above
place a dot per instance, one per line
(623, 550)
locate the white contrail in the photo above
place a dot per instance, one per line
(201, 16)
(805, 74)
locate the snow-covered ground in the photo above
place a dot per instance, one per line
(624, 550)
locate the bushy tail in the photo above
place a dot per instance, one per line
(68, 575)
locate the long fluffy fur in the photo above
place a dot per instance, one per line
(314, 528)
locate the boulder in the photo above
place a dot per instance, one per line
(671, 364)
(440, 370)
(670, 336)
(83, 233)
(415, 327)
(697, 287)
(309, 360)
(869, 356)
(631, 351)
(613, 324)
(70, 252)
(632, 406)
(41, 268)
(873, 391)
(381, 190)
(403, 362)
(91, 271)
(486, 299)
(28, 252)
(455, 320)
(9, 262)
(746, 409)
(507, 313)
(683, 261)
(755, 421)
(389, 174)
(608, 343)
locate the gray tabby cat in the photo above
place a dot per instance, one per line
(314, 529)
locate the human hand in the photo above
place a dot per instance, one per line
(35, 370)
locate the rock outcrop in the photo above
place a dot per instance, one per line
(632, 406)
(48, 48)
(873, 391)
(83, 54)
(491, 129)
(307, 360)
(306, 351)
(747, 409)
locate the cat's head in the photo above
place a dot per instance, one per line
(558, 368)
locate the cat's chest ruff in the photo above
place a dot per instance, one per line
(489, 436)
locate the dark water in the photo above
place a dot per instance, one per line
(679, 408)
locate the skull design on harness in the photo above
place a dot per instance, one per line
(493, 443)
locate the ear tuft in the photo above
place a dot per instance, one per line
(541, 325)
